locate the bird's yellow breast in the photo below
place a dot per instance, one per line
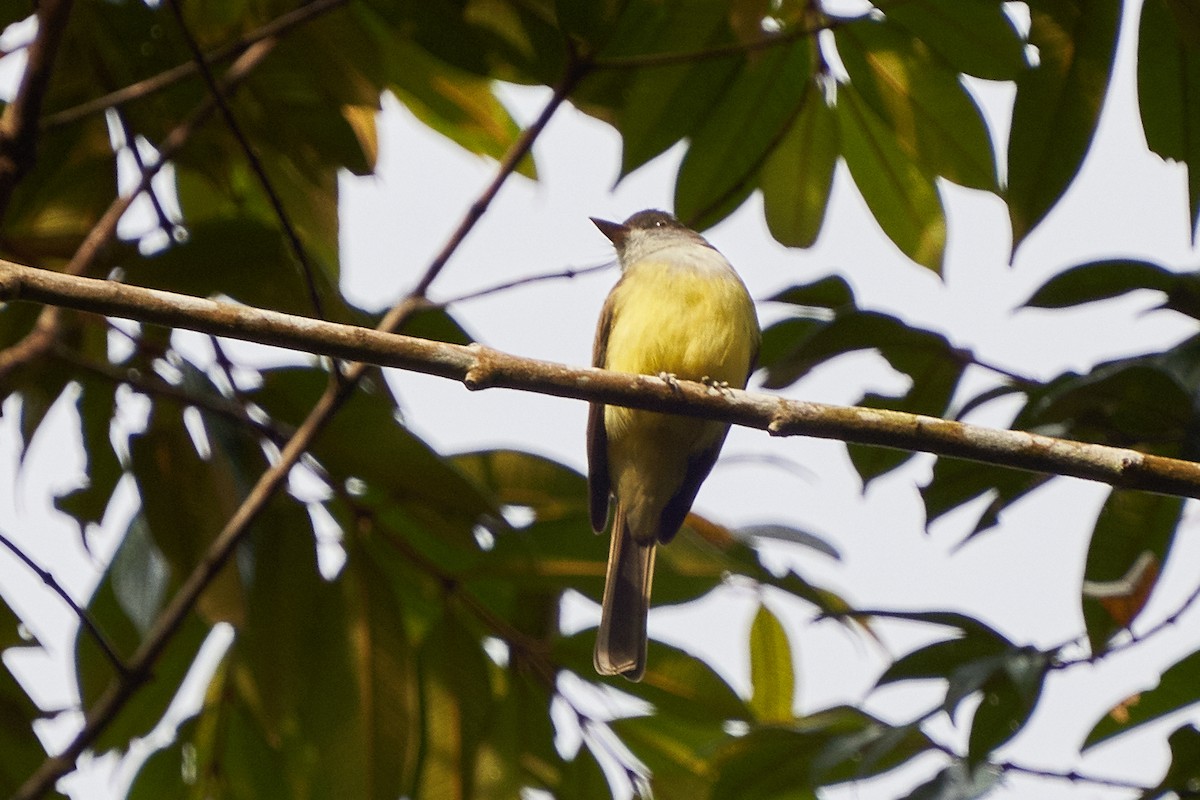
(689, 322)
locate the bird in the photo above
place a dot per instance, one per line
(679, 311)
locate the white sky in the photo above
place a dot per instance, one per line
(1022, 577)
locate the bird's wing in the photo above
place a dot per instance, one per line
(597, 438)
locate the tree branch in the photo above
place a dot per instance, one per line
(479, 367)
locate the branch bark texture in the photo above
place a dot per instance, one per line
(479, 367)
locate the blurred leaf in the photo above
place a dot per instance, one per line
(296, 663)
(772, 677)
(915, 94)
(457, 705)
(1179, 687)
(975, 37)
(840, 744)
(902, 198)
(955, 482)
(96, 404)
(831, 292)
(11, 629)
(260, 271)
(959, 781)
(1168, 63)
(662, 105)
(798, 175)
(676, 683)
(727, 151)
(1009, 696)
(677, 751)
(1100, 280)
(132, 562)
(792, 348)
(1184, 773)
(583, 779)
(787, 533)
(1129, 545)
(366, 441)
(519, 750)
(385, 663)
(186, 501)
(1058, 103)
(551, 490)
(21, 752)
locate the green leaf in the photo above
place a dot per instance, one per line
(1176, 689)
(1009, 696)
(95, 405)
(1058, 103)
(959, 781)
(677, 751)
(975, 37)
(901, 196)
(133, 562)
(1129, 545)
(840, 744)
(1100, 280)
(295, 662)
(21, 753)
(385, 664)
(676, 683)
(661, 105)
(832, 292)
(727, 152)
(582, 779)
(955, 482)
(928, 111)
(1168, 64)
(367, 441)
(1184, 773)
(186, 501)
(798, 176)
(772, 678)
(457, 704)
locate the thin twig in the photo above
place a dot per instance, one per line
(85, 619)
(1071, 775)
(281, 214)
(720, 51)
(164, 221)
(118, 693)
(1134, 638)
(569, 273)
(272, 29)
(19, 124)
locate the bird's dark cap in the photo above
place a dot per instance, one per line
(618, 232)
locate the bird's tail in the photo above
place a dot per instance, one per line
(621, 639)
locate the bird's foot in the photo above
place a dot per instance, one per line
(717, 387)
(670, 380)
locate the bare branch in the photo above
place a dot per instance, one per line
(19, 125)
(480, 367)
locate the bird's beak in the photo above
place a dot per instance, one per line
(615, 231)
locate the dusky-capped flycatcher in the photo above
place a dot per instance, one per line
(680, 311)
